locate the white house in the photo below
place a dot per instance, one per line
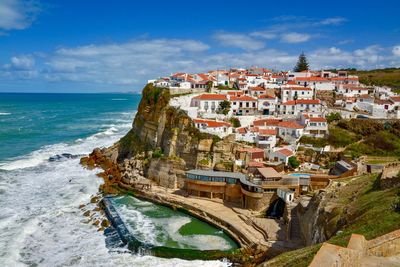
(267, 104)
(245, 134)
(290, 131)
(266, 138)
(219, 128)
(296, 92)
(208, 103)
(294, 107)
(317, 83)
(351, 90)
(281, 155)
(315, 126)
(243, 105)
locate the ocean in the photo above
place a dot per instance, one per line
(41, 223)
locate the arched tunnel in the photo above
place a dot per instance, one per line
(276, 209)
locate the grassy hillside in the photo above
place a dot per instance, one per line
(362, 203)
(382, 77)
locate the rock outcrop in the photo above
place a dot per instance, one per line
(166, 142)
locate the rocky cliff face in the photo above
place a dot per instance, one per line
(167, 142)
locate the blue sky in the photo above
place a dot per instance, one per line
(103, 46)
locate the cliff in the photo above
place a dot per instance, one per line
(165, 141)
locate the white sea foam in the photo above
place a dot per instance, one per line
(40, 220)
(4, 113)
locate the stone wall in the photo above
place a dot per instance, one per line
(358, 251)
(389, 177)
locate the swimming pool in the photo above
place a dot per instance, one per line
(300, 174)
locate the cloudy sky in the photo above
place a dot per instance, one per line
(103, 46)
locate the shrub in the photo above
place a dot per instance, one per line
(334, 116)
(157, 153)
(293, 162)
(224, 107)
(340, 138)
(235, 122)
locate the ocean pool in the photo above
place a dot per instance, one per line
(162, 226)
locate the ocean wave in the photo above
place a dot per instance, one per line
(80, 146)
(4, 113)
(119, 99)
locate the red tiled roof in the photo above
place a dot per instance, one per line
(285, 152)
(382, 102)
(289, 103)
(297, 88)
(211, 97)
(251, 150)
(267, 132)
(308, 101)
(290, 124)
(317, 119)
(313, 78)
(266, 122)
(255, 164)
(257, 88)
(395, 98)
(241, 130)
(242, 98)
(265, 96)
(212, 124)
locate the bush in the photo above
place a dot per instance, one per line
(224, 107)
(157, 153)
(316, 142)
(340, 138)
(293, 162)
(335, 116)
(235, 122)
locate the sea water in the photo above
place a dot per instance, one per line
(40, 220)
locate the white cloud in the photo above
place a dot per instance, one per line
(264, 34)
(133, 62)
(17, 14)
(239, 40)
(396, 50)
(333, 21)
(294, 37)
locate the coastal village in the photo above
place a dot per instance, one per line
(250, 150)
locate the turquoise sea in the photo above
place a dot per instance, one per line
(41, 223)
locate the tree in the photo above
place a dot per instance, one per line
(293, 162)
(302, 63)
(224, 107)
(235, 122)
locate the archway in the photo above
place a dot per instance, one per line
(276, 209)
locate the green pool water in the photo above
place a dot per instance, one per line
(163, 226)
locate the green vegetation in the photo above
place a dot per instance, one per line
(224, 107)
(381, 77)
(157, 153)
(296, 258)
(315, 142)
(204, 162)
(302, 63)
(366, 137)
(334, 116)
(363, 208)
(293, 162)
(339, 137)
(235, 122)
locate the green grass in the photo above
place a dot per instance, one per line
(381, 77)
(296, 258)
(369, 212)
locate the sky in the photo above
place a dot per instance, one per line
(116, 46)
